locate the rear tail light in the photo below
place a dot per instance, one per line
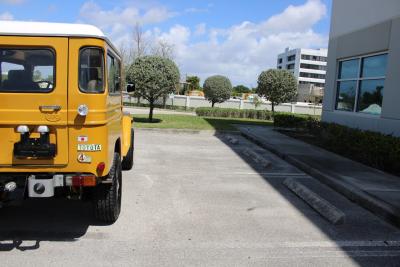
(100, 167)
(81, 180)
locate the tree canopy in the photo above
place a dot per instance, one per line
(241, 89)
(278, 86)
(194, 81)
(217, 89)
(154, 77)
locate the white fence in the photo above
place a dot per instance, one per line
(198, 101)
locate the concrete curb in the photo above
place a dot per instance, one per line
(376, 206)
(232, 140)
(322, 206)
(185, 131)
(257, 158)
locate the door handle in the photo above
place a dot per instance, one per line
(50, 108)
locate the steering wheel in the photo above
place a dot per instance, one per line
(49, 84)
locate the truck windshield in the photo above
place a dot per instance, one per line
(27, 70)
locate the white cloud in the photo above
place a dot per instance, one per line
(196, 10)
(12, 2)
(201, 29)
(6, 16)
(296, 18)
(119, 22)
(240, 52)
(128, 15)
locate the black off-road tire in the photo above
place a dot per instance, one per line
(107, 197)
(127, 162)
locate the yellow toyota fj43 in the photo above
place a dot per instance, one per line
(62, 127)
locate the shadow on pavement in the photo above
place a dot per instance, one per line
(23, 227)
(227, 123)
(352, 237)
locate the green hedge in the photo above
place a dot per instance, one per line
(234, 113)
(374, 149)
(289, 120)
(371, 148)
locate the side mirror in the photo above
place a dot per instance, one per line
(130, 87)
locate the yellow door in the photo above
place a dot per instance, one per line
(88, 133)
(33, 93)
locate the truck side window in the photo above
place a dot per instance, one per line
(91, 70)
(111, 74)
(114, 74)
(118, 76)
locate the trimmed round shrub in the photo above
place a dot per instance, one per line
(217, 89)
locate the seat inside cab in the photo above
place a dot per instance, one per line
(91, 70)
(27, 70)
(17, 79)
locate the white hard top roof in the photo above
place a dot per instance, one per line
(48, 29)
(27, 28)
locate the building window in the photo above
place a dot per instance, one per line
(312, 75)
(290, 66)
(312, 66)
(291, 58)
(314, 58)
(312, 83)
(279, 67)
(360, 84)
(279, 60)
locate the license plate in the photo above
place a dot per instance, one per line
(89, 147)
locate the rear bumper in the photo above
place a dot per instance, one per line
(42, 185)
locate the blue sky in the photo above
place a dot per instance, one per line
(233, 38)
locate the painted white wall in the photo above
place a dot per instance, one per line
(198, 101)
(351, 15)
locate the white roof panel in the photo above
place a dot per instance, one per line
(49, 29)
(28, 28)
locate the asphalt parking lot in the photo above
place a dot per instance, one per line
(195, 199)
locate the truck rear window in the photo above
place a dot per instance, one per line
(27, 70)
(91, 70)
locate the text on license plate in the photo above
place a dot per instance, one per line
(89, 147)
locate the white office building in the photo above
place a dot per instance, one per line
(362, 84)
(309, 68)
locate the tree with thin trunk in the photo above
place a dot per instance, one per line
(138, 49)
(278, 86)
(217, 89)
(153, 77)
(141, 44)
(163, 49)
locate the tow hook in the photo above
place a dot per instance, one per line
(10, 187)
(6, 190)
